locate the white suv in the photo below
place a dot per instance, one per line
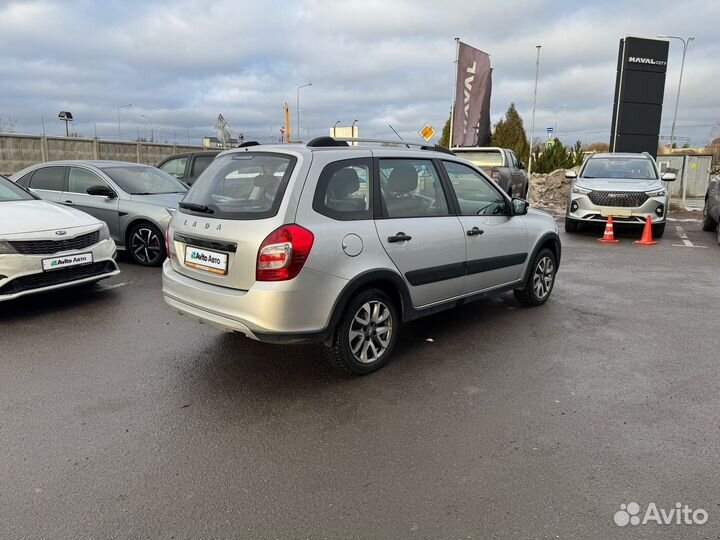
(339, 244)
(625, 186)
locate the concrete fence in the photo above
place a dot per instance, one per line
(20, 151)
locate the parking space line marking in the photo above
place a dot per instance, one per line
(684, 237)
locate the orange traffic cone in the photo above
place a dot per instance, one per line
(609, 236)
(646, 239)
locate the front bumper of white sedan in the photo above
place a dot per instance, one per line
(29, 266)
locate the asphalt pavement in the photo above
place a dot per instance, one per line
(121, 419)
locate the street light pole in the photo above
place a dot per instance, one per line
(686, 44)
(335, 127)
(118, 118)
(561, 107)
(298, 106)
(152, 127)
(532, 129)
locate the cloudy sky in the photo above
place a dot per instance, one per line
(181, 62)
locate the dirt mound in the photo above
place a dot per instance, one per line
(549, 190)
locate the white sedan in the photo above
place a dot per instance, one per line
(45, 246)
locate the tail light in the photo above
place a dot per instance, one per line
(283, 253)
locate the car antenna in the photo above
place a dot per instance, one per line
(396, 133)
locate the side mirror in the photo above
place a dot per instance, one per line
(570, 174)
(102, 191)
(519, 206)
(668, 177)
(521, 165)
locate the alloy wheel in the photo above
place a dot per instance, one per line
(370, 331)
(146, 245)
(543, 277)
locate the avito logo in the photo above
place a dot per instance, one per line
(680, 515)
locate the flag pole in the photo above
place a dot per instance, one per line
(452, 109)
(532, 129)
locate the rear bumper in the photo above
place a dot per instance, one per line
(294, 311)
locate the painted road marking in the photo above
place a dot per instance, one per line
(684, 237)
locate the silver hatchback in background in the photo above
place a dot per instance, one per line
(626, 186)
(340, 244)
(136, 201)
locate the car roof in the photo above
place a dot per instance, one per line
(476, 148)
(99, 163)
(623, 155)
(305, 150)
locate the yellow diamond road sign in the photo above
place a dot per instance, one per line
(427, 132)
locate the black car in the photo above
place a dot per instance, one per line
(187, 167)
(711, 210)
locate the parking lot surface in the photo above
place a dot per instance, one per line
(120, 418)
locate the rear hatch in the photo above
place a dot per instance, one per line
(239, 200)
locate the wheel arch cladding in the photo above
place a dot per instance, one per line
(386, 280)
(550, 241)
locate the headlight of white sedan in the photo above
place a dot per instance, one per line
(581, 190)
(656, 193)
(6, 248)
(104, 232)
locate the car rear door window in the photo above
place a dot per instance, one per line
(176, 167)
(411, 188)
(475, 194)
(200, 164)
(49, 178)
(79, 180)
(343, 190)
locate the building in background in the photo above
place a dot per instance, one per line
(346, 132)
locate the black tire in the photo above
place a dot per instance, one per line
(571, 225)
(718, 233)
(708, 223)
(146, 244)
(658, 230)
(341, 354)
(534, 293)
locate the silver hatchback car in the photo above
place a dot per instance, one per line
(134, 200)
(339, 244)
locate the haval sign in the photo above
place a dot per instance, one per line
(651, 61)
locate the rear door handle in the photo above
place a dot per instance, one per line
(69, 202)
(474, 231)
(399, 237)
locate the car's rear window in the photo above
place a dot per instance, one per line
(243, 185)
(624, 168)
(488, 158)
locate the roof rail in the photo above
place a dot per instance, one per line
(344, 141)
(320, 142)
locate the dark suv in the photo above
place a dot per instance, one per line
(187, 167)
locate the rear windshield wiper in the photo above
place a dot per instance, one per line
(197, 207)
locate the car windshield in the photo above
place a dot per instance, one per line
(11, 192)
(625, 168)
(241, 186)
(489, 158)
(141, 180)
